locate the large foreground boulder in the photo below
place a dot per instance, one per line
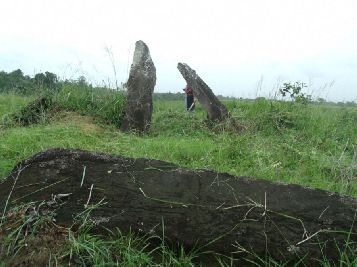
(220, 212)
(215, 109)
(140, 86)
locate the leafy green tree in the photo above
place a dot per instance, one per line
(294, 91)
(51, 80)
(81, 81)
(47, 80)
(4, 81)
(40, 79)
(16, 81)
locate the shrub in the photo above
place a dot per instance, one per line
(86, 100)
(294, 91)
(34, 112)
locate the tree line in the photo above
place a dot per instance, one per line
(17, 82)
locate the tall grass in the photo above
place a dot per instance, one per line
(29, 225)
(86, 100)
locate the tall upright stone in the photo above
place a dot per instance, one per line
(215, 109)
(140, 86)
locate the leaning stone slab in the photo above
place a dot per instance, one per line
(215, 109)
(140, 86)
(199, 208)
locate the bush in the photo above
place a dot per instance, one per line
(86, 100)
(294, 91)
(34, 112)
(268, 116)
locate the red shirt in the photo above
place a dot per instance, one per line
(188, 90)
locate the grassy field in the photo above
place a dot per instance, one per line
(313, 145)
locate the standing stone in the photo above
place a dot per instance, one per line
(215, 109)
(140, 86)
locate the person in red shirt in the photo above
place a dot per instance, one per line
(190, 103)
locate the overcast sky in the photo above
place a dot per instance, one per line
(240, 48)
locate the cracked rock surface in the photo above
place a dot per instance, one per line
(140, 86)
(224, 213)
